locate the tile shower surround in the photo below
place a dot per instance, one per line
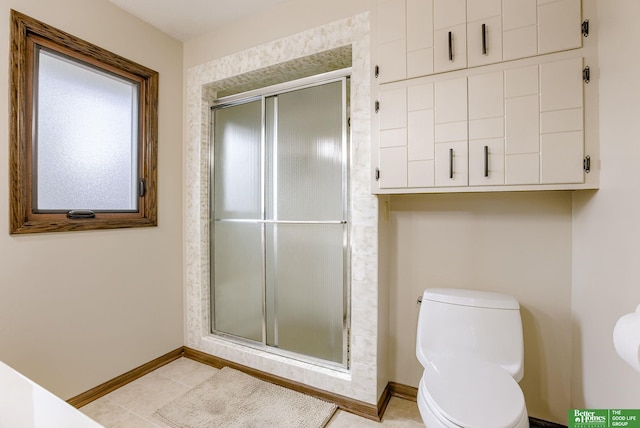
(362, 381)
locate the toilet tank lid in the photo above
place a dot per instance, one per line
(474, 298)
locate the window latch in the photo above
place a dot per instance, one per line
(81, 214)
(142, 187)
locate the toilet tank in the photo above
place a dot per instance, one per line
(468, 323)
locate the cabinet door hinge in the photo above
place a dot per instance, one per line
(586, 74)
(586, 164)
(376, 71)
(377, 106)
(585, 28)
(377, 174)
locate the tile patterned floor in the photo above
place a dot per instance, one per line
(133, 405)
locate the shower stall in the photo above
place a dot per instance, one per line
(280, 219)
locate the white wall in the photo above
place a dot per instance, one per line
(79, 308)
(606, 226)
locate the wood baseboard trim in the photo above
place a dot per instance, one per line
(403, 391)
(120, 381)
(350, 405)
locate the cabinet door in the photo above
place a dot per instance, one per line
(486, 129)
(393, 138)
(561, 122)
(522, 126)
(450, 35)
(392, 40)
(484, 32)
(420, 136)
(486, 162)
(451, 164)
(393, 167)
(520, 31)
(559, 25)
(451, 133)
(419, 38)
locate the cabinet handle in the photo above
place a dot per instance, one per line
(450, 46)
(484, 39)
(486, 161)
(451, 164)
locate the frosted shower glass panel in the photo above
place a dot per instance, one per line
(237, 171)
(305, 156)
(86, 137)
(305, 283)
(237, 272)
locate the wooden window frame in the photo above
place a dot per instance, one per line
(26, 33)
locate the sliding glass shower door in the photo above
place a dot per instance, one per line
(280, 221)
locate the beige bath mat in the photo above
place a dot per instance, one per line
(233, 399)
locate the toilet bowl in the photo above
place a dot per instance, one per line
(469, 393)
(470, 345)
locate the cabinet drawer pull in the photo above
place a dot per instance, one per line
(486, 161)
(484, 39)
(451, 164)
(450, 46)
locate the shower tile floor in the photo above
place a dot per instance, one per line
(132, 405)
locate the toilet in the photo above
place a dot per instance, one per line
(471, 347)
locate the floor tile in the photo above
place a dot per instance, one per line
(343, 419)
(133, 405)
(112, 415)
(140, 388)
(402, 413)
(186, 371)
(146, 406)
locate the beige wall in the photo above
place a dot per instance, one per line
(515, 243)
(606, 226)
(283, 20)
(79, 308)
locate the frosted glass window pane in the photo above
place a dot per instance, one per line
(86, 138)
(305, 288)
(237, 275)
(305, 156)
(237, 171)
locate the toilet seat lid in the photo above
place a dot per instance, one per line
(472, 393)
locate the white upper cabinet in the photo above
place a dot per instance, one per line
(392, 46)
(484, 32)
(558, 25)
(519, 29)
(419, 38)
(450, 35)
(422, 37)
(519, 126)
(483, 95)
(486, 129)
(393, 138)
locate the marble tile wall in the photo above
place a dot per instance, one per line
(360, 382)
